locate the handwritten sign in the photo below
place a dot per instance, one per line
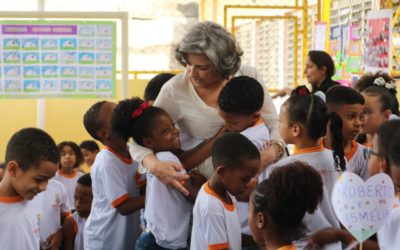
(363, 207)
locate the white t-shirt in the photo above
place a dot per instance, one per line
(215, 223)
(20, 222)
(54, 206)
(69, 182)
(194, 117)
(167, 212)
(78, 224)
(389, 234)
(356, 161)
(113, 182)
(258, 135)
(322, 160)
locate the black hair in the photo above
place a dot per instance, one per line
(90, 120)
(285, 197)
(322, 59)
(367, 80)
(30, 146)
(231, 149)
(387, 98)
(394, 150)
(241, 95)
(75, 148)
(336, 97)
(154, 86)
(139, 127)
(85, 180)
(385, 138)
(89, 145)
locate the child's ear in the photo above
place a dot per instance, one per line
(12, 168)
(261, 220)
(386, 114)
(256, 116)
(148, 142)
(101, 133)
(296, 130)
(220, 170)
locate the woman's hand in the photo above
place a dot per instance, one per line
(166, 172)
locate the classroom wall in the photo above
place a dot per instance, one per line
(63, 117)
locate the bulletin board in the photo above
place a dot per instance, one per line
(63, 59)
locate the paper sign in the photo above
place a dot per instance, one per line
(363, 207)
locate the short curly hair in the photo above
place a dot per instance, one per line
(90, 119)
(290, 191)
(216, 43)
(241, 95)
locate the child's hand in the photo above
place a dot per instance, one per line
(54, 240)
(328, 236)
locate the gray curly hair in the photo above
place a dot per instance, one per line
(216, 43)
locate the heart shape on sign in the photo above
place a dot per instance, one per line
(363, 207)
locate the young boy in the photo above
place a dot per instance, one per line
(89, 151)
(32, 159)
(215, 221)
(154, 86)
(114, 219)
(75, 223)
(348, 104)
(240, 102)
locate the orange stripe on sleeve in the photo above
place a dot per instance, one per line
(218, 246)
(120, 200)
(73, 223)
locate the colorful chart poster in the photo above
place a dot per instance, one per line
(377, 51)
(66, 59)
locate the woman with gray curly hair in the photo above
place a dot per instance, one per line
(211, 57)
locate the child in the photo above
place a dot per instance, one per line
(55, 210)
(303, 121)
(114, 219)
(154, 86)
(71, 158)
(347, 103)
(153, 128)
(278, 205)
(240, 102)
(215, 221)
(380, 104)
(75, 223)
(89, 151)
(32, 160)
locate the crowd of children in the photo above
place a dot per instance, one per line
(81, 197)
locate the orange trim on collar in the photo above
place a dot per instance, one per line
(259, 121)
(121, 157)
(69, 176)
(288, 247)
(368, 145)
(310, 150)
(11, 199)
(353, 150)
(218, 246)
(229, 207)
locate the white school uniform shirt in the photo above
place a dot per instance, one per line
(389, 234)
(54, 206)
(356, 161)
(20, 222)
(167, 211)
(322, 160)
(113, 182)
(215, 223)
(78, 224)
(69, 182)
(258, 135)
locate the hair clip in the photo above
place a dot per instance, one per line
(139, 110)
(302, 91)
(388, 85)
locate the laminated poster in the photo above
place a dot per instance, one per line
(65, 59)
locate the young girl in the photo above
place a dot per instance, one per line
(277, 205)
(152, 127)
(380, 104)
(303, 121)
(71, 158)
